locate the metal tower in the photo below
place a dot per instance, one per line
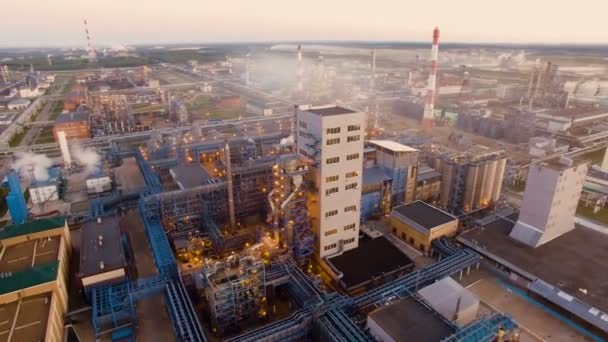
(90, 50)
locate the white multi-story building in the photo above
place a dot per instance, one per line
(331, 139)
(43, 192)
(553, 190)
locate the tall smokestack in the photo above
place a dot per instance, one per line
(429, 105)
(374, 115)
(247, 70)
(300, 71)
(90, 51)
(65, 151)
(373, 70)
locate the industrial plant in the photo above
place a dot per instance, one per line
(302, 192)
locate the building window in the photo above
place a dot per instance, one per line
(353, 138)
(333, 141)
(352, 174)
(302, 134)
(350, 208)
(350, 227)
(335, 130)
(352, 128)
(351, 186)
(332, 160)
(352, 156)
(350, 240)
(331, 232)
(331, 213)
(331, 191)
(332, 246)
(331, 179)
(302, 124)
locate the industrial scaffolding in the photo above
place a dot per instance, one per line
(288, 204)
(234, 288)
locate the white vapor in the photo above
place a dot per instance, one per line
(38, 164)
(87, 157)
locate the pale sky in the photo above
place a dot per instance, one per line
(59, 22)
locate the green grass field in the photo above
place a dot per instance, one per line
(45, 136)
(57, 109)
(587, 212)
(146, 108)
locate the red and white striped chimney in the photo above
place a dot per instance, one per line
(300, 70)
(429, 105)
(90, 50)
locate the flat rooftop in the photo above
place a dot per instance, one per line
(110, 251)
(77, 116)
(393, 146)
(30, 254)
(189, 176)
(373, 258)
(32, 227)
(30, 315)
(573, 261)
(424, 214)
(408, 320)
(328, 111)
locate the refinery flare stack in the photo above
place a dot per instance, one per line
(429, 104)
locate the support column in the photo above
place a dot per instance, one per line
(231, 210)
(604, 165)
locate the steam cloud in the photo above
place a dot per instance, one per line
(287, 141)
(28, 163)
(87, 157)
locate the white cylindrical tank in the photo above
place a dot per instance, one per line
(488, 185)
(470, 185)
(63, 145)
(499, 175)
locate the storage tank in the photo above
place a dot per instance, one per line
(447, 180)
(479, 182)
(470, 187)
(498, 177)
(489, 178)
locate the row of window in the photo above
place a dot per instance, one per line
(335, 178)
(332, 246)
(350, 128)
(334, 160)
(331, 191)
(334, 141)
(346, 209)
(335, 189)
(350, 186)
(331, 232)
(352, 174)
(331, 179)
(345, 228)
(331, 213)
(353, 138)
(349, 227)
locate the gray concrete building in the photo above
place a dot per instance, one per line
(553, 190)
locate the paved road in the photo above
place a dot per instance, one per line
(33, 132)
(44, 114)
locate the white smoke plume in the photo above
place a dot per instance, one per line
(28, 163)
(287, 141)
(88, 158)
